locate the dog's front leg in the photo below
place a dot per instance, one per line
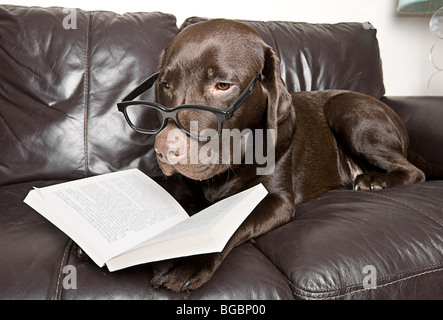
(190, 273)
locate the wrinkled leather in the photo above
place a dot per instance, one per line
(324, 250)
(59, 89)
(59, 121)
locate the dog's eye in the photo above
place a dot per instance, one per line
(165, 85)
(223, 86)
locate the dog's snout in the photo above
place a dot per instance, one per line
(172, 148)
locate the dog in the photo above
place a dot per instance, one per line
(320, 140)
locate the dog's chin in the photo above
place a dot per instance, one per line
(193, 171)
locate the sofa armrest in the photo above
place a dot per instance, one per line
(423, 117)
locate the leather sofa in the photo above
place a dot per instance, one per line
(62, 73)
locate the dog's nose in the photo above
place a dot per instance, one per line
(172, 149)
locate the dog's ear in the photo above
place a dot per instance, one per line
(279, 99)
(161, 58)
(159, 68)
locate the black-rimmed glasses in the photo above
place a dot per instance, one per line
(199, 122)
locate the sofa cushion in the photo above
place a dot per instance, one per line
(320, 254)
(323, 56)
(32, 250)
(59, 88)
(336, 243)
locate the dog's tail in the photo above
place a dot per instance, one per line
(431, 171)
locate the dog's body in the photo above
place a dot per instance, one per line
(323, 140)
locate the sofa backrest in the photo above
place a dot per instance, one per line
(59, 88)
(60, 82)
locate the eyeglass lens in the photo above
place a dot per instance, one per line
(194, 121)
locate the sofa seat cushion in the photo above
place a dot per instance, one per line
(320, 254)
(31, 248)
(328, 249)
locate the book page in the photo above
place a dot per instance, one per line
(114, 211)
(205, 220)
(205, 232)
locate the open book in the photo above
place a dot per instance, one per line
(125, 218)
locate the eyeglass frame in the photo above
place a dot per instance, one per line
(171, 113)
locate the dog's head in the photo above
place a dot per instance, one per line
(211, 64)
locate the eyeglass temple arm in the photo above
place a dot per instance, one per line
(145, 85)
(244, 95)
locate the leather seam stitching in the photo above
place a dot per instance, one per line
(404, 203)
(407, 204)
(59, 289)
(86, 88)
(365, 289)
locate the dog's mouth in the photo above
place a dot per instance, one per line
(196, 171)
(192, 171)
(178, 153)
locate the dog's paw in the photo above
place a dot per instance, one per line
(371, 181)
(184, 274)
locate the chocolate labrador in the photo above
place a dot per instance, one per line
(219, 91)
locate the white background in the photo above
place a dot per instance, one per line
(405, 42)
